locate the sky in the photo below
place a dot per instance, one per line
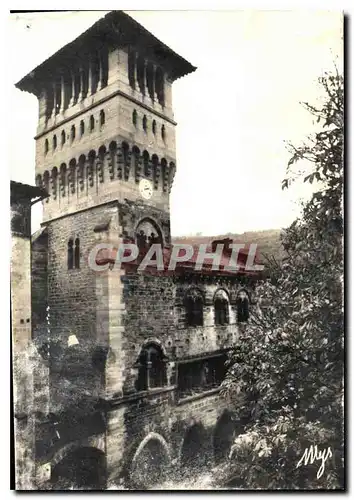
(234, 113)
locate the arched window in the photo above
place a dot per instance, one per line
(70, 254)
(221, 308)
(54, 183)
(163, 133)
(55, 142)
(82, 128)
(147, 234)
(77, 254)
(135, 118)
(242, 303)
(145, 123)
(46, 146)
(193, 303)
(154, 127)
(102, 117)
(73, 133)
(152, 368)
(92, 123)
(46, 178)
(62, 137)
(62, 179)
(146, 161)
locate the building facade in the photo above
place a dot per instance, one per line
(135, 359)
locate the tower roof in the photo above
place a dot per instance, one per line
(118, 28)
(21, 191)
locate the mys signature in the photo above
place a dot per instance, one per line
(313, 454)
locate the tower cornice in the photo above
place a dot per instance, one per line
(116, 29)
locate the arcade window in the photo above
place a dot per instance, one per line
(221, 308)
(152, 368)
(195, 377)
(193, 303)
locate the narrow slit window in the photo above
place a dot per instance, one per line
(77, 254)
(135, 118)
(102, 118)
(70, 254)
(92, 123)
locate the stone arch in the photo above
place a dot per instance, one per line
(39, 180)
(72, 175)
(193, 302)
(136, 162)
(90, 168)
(164, 174)
(81, 172)
(223, 436)
(46, 178)
(63, 174)
(54, 182)
(155, 170)
(221, 301)
(194, 446)
(102, 150)
(152, 369)
(172, 173)
(125, 150)
(82, 468)
(150, 462)
(146, 162)
(148, 232)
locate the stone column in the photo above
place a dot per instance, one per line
(136, 83)
(43, 105)
(54, 101)
(62, 94)
(81, 94)
(72, 100)
(154, 83)
(99, 84)
(89, 83)
(146, 87)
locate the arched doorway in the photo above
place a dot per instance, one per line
(150, 462)
(223, 437)
(82, 469)
(193, 453)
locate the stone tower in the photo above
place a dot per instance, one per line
(136, 359)
(106, 118)
(105, 152)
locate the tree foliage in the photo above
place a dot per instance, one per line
(288, 363)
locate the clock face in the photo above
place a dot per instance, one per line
(145, 188)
